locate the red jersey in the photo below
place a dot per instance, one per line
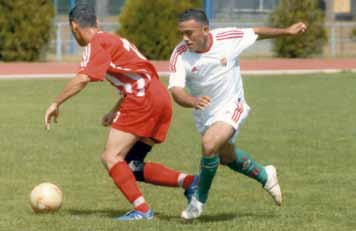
(146, 110)
(116, 59)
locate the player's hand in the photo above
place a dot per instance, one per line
(202, 102)
(52, 112)
(297, 28)
(108, 118)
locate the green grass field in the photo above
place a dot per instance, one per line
(305, 125)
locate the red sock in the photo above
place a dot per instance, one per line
(158, 174)
(126, 182)
(188, 180)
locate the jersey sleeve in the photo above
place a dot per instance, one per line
(95, 62)
(248, 38)
(177, 71)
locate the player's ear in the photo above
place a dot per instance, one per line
(73, 25)
(206, 29)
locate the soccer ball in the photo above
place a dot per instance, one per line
(46, 198)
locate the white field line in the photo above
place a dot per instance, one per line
(165, 73)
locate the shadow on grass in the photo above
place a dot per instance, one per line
(219, 217)
(100, 213)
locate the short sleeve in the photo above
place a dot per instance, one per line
(177, 75)
(95, 62)
(249, 37)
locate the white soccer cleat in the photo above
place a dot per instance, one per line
(194, 209)
(272, 185)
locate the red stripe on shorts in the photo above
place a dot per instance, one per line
(237, 113)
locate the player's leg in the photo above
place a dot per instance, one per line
(241, 162)
(216, 135)
(158, 174)
(113, 157)
(158, 116)
(155, 173)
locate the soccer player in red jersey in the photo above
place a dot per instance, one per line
(138, 120)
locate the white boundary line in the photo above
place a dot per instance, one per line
(37, 76)
(165, 73)
(296, 71)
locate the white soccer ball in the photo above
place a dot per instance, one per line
(46, 198)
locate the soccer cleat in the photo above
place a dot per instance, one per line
(194, 209)
(136, 215)
(272, 185)
(188, 193)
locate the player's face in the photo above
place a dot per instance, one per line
(76, 31)
(195, 34)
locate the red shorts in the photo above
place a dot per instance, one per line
(148, 116)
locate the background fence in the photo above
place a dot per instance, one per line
(340, 40)
(224, 13)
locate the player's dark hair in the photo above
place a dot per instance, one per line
(195, 14)
(84, 15)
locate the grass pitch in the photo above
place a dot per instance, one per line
(305, 125)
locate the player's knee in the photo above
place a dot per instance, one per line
(135, 159)
(227, 153)
(209, 146)
(225, 160)
(110, 158)
(104, 158)
(226, 157)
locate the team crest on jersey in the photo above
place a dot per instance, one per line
(223, 61)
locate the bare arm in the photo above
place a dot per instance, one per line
(73, 87)
(269, 32)
(109, 117)
(184, 99)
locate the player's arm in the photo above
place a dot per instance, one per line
(176, 86)
(109, 117)
(270, 32)
(73, 87)
(184, 99)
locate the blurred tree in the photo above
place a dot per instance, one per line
(25, 28)
(152, 24)
(353, 34)
(308, 44)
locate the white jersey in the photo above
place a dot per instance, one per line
(214, 73)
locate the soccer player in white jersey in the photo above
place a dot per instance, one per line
(207, 63)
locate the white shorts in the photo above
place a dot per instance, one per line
(234, 114)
